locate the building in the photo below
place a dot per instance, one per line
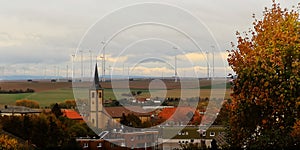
(72, 114)
(18, 110)
(97, 115)
(119, 140)
(117, 112)
(180, 115)
(175, 136)
(100, 116)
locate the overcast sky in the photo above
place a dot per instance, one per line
(40, 37)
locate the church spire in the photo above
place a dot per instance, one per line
(96, 83)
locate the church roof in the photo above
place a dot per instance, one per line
(96, 83)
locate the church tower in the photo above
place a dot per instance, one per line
(98, 118)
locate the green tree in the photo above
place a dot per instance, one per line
(266, 60)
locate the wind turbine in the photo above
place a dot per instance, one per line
(175, 73)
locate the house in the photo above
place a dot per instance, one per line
(119, 140)
(18, 110)
(72, 114)
(117, 112)
(180, 115)
(175, 136)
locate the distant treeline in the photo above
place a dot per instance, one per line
(15, 91)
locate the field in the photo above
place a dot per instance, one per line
(47, 93)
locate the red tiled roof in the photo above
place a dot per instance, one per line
(72, 114)
(181, 112)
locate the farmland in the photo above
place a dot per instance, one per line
(47, 92)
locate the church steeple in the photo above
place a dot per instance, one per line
(96, 83)
(96, 99)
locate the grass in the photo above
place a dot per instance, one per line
(44, 98)
(10, 99)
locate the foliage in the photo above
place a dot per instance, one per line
(266, 61)
(131, 120)
(222, 118)
(296, 132)
(192, 146)
(8, 143)
(28, 103)
(14, 91)
(56, 110)
(67, 104)
(46, 131)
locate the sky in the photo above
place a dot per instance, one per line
(138, 37)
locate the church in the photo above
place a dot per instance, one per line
(98, 116)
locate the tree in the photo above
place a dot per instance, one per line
(56, 110)
(296, 132)
(28, 103)
(266, 61)
(131, 120)
(8, 143)
(40, 130)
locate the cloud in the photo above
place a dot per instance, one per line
(38, 34)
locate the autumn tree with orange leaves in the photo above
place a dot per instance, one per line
(266, 60)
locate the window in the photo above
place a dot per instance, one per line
(204, 133)
(100, 94)
(149, 136)
(123, 144)
(93, 94)
(212, 133)
(140, 137)
(85, 145)
(99, 145)
(112, 145)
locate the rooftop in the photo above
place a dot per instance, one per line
(72, 114)
(117, 112)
